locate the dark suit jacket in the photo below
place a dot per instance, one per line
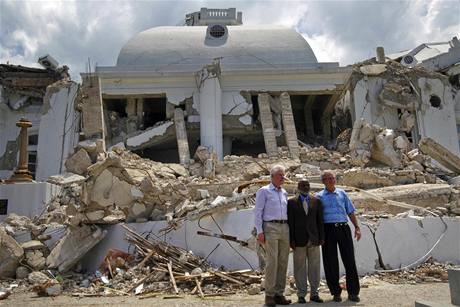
(302, 227)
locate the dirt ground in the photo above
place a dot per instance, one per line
(384, 294)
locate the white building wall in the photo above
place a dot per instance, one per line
(58, 129)
(413, 241)
(28, 199)
(438, 123)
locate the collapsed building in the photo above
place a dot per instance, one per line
(188, 123)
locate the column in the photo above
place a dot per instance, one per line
(211, 114)
(267, 125)
(22, 174)
(181, 135)
(290, 134)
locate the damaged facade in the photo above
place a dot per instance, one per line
(242, 89)
(46, 98)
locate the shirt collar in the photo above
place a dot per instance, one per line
(301, 197)
(327, 192)
(272, 187)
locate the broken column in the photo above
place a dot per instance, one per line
(211, 113)
(181, 135)
(290, 133)
(92, 114)
(441, 154)
(22, 174)
(380, 55)
(267, 125)
(131, 111)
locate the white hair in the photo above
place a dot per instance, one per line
(277, 169)
(327, 172)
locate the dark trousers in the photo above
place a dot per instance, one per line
(339, 235)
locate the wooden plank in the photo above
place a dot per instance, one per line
(228, 278)
(171, 276)
(198, 285)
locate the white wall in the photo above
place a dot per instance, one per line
(58, 129)
(28, 199)
(438, 123)
(401, 241)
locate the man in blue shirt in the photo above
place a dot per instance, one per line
(270, 219)
(337, 208)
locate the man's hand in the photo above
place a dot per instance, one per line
(357, 233)
(261, 238)
(321, 243)
(292, 245)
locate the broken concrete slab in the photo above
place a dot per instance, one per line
(419, 194)
(73, 246)
(78, 163)
(93, 147)
(383, 150)
(441, 154)
(10, 255)
(373, 70)
(66, 179)
(33, 245)
(35, 259)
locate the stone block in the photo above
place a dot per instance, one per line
(35, 260)
(10, 255)
(73, 246)
(79, 162)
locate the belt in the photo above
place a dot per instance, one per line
(277, 221)
(336, 224)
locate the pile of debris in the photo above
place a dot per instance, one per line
(430, 271)
(155, 268)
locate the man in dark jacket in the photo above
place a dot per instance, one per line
(306, 234)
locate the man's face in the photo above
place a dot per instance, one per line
(278, 179)
(303, 187)
(329, 181)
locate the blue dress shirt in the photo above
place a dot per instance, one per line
(271, 204)
(336, 205)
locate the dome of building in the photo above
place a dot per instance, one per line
(239, 47)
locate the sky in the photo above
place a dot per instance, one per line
(338, 31)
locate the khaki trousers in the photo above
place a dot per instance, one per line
(277, 255)
(302, 255)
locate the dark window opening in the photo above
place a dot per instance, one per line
(308, 114)
(116, 105)
(255, 108)
(154, 111)
(33, 139)
(435, 101)
(32, 163)
(217, 31)
(165, 153)
(252, 147)
(3, 206)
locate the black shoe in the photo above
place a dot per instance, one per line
(301, 300)
(281, 300)
(316, 299)
(354, 298)
(337, 298)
